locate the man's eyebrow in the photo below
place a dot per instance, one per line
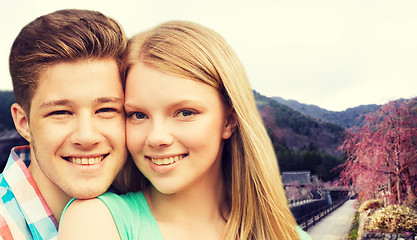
(61, 102)
(109, 99)
(67, 102)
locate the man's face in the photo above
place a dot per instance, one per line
(77, 127)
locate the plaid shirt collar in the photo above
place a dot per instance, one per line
(31, 204)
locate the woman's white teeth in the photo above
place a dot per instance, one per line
(86, 161)
(166, 161)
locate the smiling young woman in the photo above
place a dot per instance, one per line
(207, 166)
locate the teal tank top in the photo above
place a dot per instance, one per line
(132, 215)
(134, 219)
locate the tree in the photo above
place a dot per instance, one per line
(381, 155)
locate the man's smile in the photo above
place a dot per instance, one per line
(86, 160)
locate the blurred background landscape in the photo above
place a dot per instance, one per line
(335, 83)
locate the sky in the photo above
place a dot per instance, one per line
(335, 54)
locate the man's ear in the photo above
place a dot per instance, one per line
(231, 124)
(21, 121)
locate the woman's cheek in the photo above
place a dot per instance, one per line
(135, 138)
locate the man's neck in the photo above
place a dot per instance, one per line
(55, 198)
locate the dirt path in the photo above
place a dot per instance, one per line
(336, 225)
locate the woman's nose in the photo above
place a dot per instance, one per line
(159, 136)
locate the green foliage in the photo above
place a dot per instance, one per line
(297, 131)
(301, 142)
(320, 163)
(285, 116)
(353, 234)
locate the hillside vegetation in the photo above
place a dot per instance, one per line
(300, 141)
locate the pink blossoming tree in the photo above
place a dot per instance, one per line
(382, 154)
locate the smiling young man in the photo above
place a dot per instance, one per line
(69, 93)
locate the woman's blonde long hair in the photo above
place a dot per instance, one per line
(254, 192)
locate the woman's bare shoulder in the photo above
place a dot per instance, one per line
(87, 219)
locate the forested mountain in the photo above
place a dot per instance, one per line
(346, 119)
(296, 130)
(300, 141)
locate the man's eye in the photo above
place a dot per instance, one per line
(60, 112)
(107, 110)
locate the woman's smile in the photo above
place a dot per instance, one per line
(166, 160)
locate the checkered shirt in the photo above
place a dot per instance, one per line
(24, 213)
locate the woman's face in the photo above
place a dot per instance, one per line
(175, 129)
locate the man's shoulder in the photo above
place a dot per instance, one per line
(12, 178)
(20, 218)
(12, 220)
(21, 213)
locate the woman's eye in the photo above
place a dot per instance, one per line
(186, 113)
(137, 115)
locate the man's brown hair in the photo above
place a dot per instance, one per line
(62, 36)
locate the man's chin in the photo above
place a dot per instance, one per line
(88, 194)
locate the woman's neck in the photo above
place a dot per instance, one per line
(195, 213)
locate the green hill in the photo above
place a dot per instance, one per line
(300, 141)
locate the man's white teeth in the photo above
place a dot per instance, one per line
(86, 161)
(166, 161)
